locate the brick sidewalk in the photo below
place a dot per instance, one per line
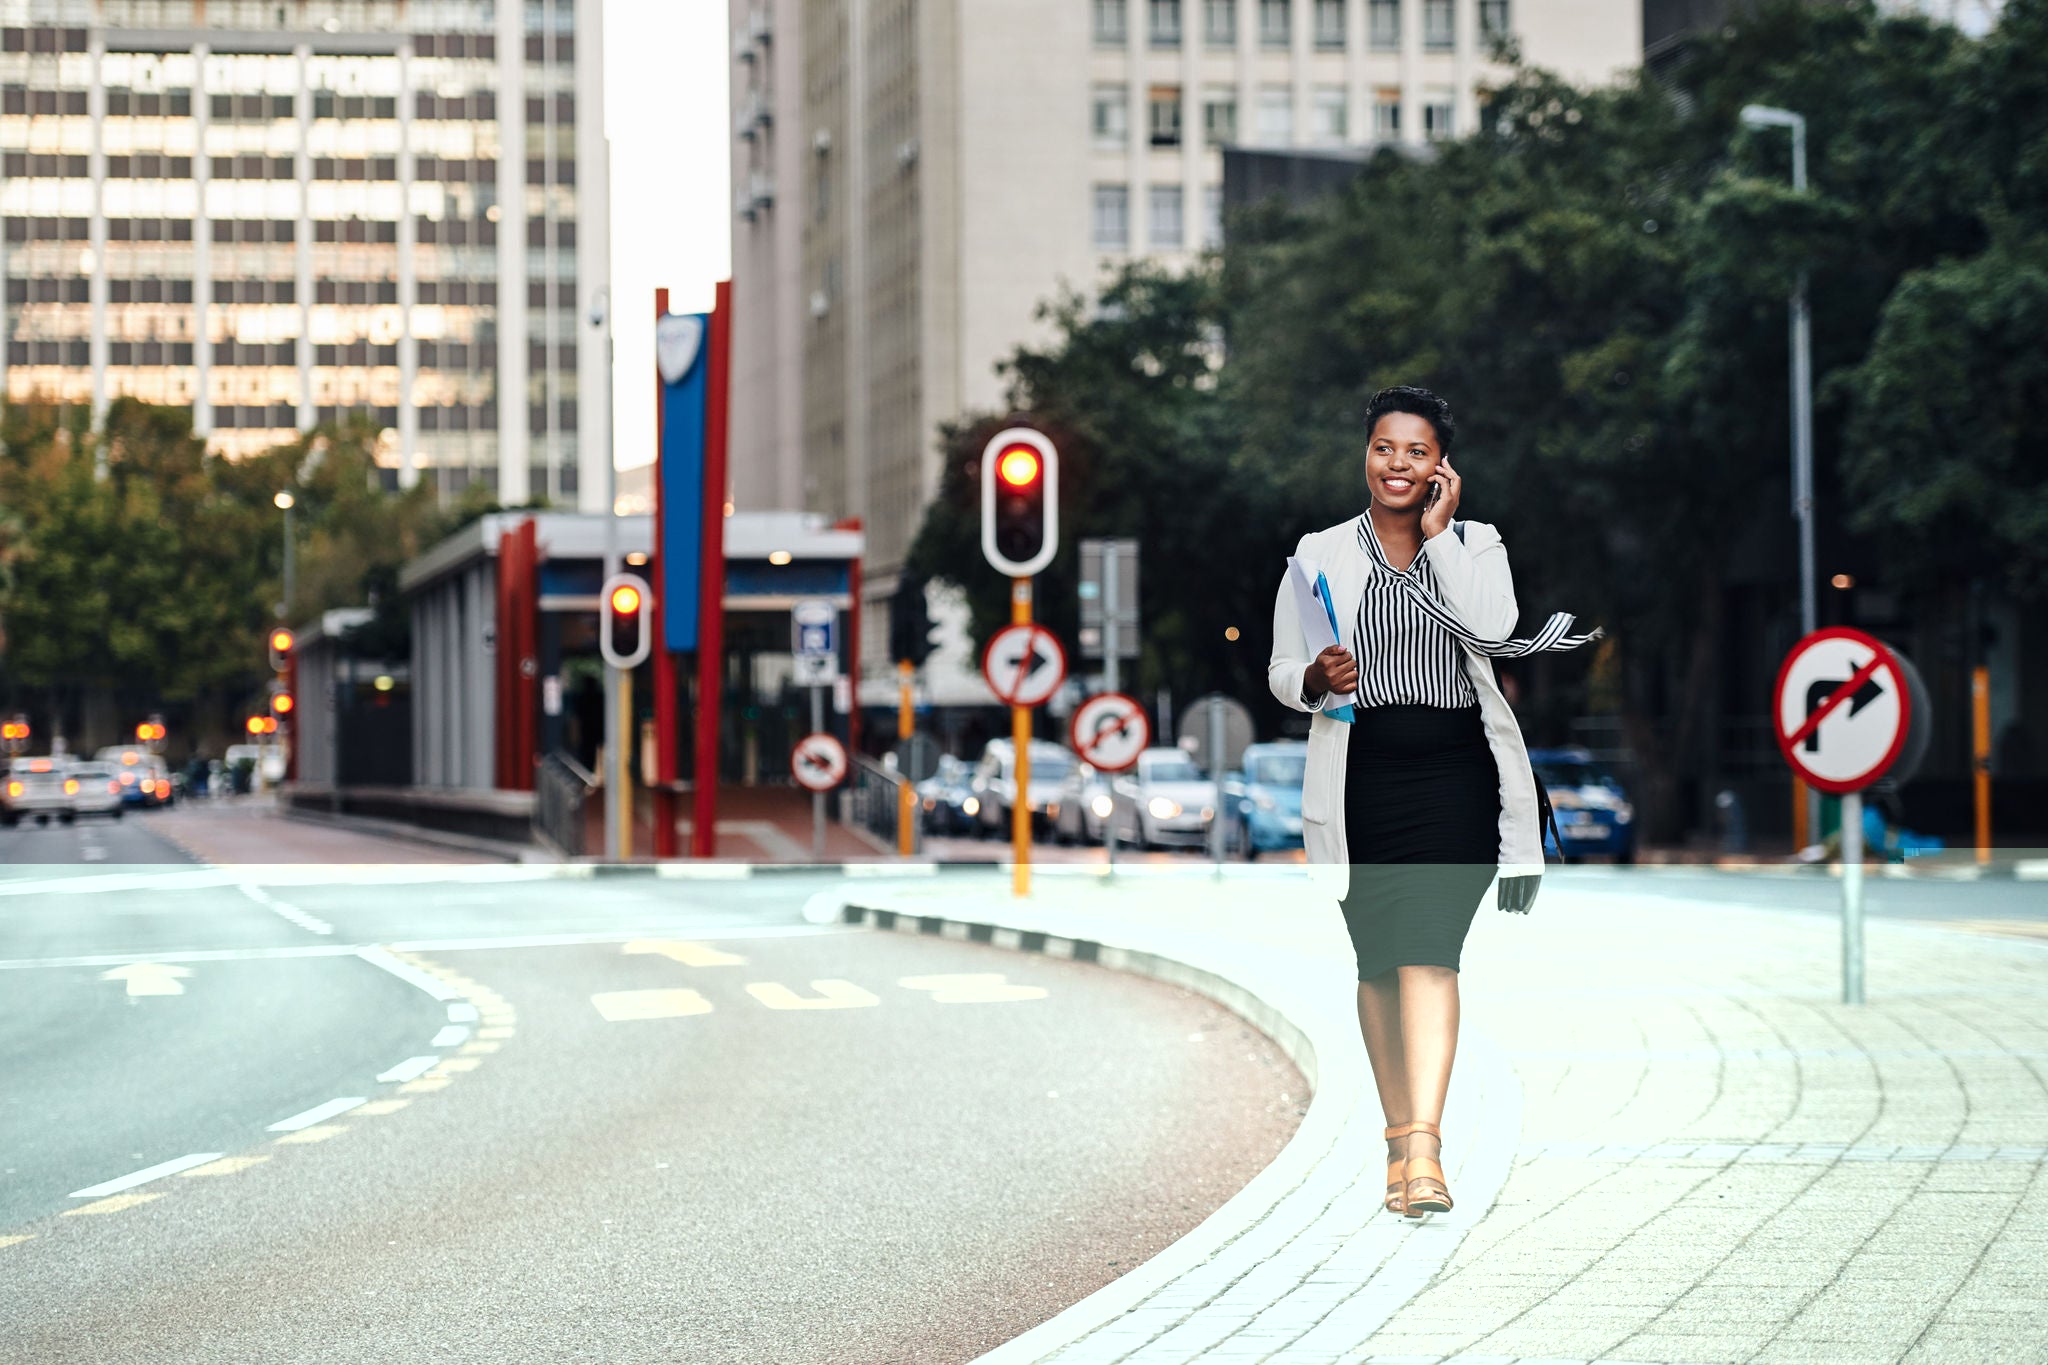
(1709, 1159)
(242, 830)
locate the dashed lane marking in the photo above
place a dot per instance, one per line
(425, 1085)
(317, 1114)
(690, 954)
(618, 1007)
(319, 1132)
(971, 988)
(112, 1204)
(227, 1165)
(455, 1064)
(409, 1068)
(379, 1108)
(480, 1049)
(462, 1014)
(450, 1036)
(16, 1239)
(145, 1175)
(406, 972)
(832, 994)
(312, 924)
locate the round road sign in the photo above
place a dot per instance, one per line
(818, 762)
(1024, 664)
(1109, 731)
(1842, 709)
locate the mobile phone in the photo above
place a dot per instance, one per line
(1429, 499)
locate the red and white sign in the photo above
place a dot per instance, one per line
(818, 762)
(1109, 731)
(1024, 665)
(1841, 710)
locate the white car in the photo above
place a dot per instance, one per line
(94, 788)
(34, 789)
(1166, 799)
(994, 784)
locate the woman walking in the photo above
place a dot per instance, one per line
(1418, 781)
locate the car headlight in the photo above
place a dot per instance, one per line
(1208, 812)
(1623, 813)
(929, 803)
(1052, 810)
(971, 806)
(1162, 808)
(127, 779)
(1102, 806)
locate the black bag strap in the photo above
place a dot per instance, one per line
(1546, 817)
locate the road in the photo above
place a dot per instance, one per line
(476, 1113)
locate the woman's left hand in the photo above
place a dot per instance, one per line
(1437, 519)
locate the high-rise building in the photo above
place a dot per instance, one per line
(913, 178)
(282, 211)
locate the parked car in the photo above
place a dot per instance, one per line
(1263, 798)
(135, 770)
(94, 788)
(1080, 810)
(1593, 812)
(994, 784)
(34, 790)
(1166, 799)
(948, 801)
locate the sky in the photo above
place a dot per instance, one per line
(665, 110)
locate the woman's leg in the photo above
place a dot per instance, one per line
(1428, 1029)
(1379, 1019)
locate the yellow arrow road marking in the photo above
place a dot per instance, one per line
(831, 995)
(619, 1007)
(149, 978)
(971, 988)
(689, 954)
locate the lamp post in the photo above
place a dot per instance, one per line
(285, 501)
(1766, 116)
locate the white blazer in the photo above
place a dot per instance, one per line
(1476, 586)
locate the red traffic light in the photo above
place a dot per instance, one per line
(281, 640)
(149, 730)
(281, 702)
(1019, 466)
(625, 599)
(255, 726)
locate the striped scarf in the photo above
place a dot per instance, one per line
(1555, 635)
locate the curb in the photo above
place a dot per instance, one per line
(416, 834)
(1301, 1263)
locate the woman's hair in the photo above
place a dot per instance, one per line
(1421, 403)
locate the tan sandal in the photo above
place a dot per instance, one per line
(1397, 1169)
(1424, 1191)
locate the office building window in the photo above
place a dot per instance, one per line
(1110, 30)
(1165, 229)
(1112, 217)
(1386, 114)
(1439, 26)
(1110, 119)
(1165, 25)
(1212, 216)
(1493, 18)
(1385, 17)
(1273, 23)
(1219, 23)
(1436, 118)
(1219, 117)
(1330, 25)
(1276, 116)
(1165, 115)
(1326, 114)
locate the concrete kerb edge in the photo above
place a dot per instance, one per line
(1336, 1096)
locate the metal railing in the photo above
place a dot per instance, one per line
(560, 788)
(873, 800)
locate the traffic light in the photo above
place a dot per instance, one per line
(262, 725)
(281, 703)
(149, 731)
(624, 634)
(910, 623)
(14, 734)
(280, 649)
(1020, 512)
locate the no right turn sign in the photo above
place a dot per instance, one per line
(1842, 709)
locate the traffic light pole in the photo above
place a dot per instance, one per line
(906, 794)
(818, 798)
(1020, 739)
(618, 804)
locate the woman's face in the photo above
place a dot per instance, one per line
(1399, 459)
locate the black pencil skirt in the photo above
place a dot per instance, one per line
(1422, 822)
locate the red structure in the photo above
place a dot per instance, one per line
(517, 661)
(711, 584)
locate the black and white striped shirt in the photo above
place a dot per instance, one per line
(1403, 656)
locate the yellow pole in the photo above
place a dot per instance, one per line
(906, 801)
(622, 767)
(1980, 748)
(1020, 737)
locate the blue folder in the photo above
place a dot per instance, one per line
(1346, 712)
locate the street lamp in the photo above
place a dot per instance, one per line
(285, 501)
(1766, 116)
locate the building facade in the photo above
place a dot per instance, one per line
(914, 178)
(282, 212)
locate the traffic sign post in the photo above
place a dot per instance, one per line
(819, 764)
(1216, 731)
(1844, 712)
(1109, 731)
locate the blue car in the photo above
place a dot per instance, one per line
(1593, 812)
(1265, 797)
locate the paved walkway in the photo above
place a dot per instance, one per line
(1668, 1139)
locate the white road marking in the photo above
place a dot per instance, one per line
(316, 1114)
(409, 1068)
(148, 978)
(310, 923)
(432, 985)
(145, 1175)
(450, 1036)
(462, 1014)
(93, 853)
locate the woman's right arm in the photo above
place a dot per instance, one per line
(1296, 680)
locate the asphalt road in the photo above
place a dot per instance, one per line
(647, 1121)
(95, 839)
